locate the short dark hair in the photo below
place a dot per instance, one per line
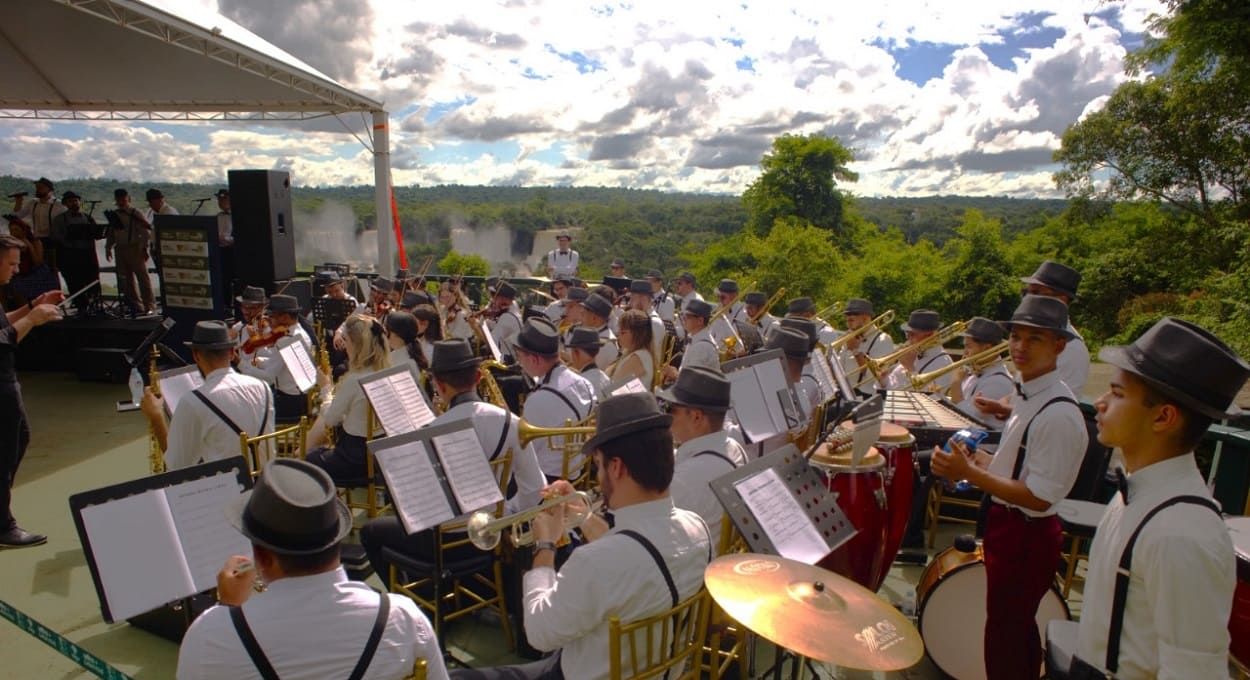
(605, 292)
(592, 350)
(303, 565)
(460, 379)
(1195, 424)
(215, 354)
(647, 456)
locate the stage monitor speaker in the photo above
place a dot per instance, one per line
(264, 236)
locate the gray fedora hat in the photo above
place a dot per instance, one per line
(1052, 274)
(699, 387)
(755, 298)
(624, 415)
(688, 278)
(640, 286)
(292, 510)
(284, 304)
(922, 320)
(210, 335)
(982, 329)
(794, 344)
(858, 306)
(727, 286)
(252, 295)
(1040, 311)
(453, 355)
(583, 338)
(506, 290)
(698, 308)
(803, 325)
(1187, 363)
(539, 336)
(800, 305)
(382, 285)
(576, 295)
(599, 305)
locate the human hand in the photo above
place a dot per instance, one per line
(152, 405)
(51, 297)
(235, 581)
(999, 408)
(952, 465)
(43, 313)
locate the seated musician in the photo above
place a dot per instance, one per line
(992, 382)
(595, 313)
(404, 340)
(653, 558)
(505, 316)
(727, 296)
(583, 347)
(661, 300)
(380, 295)
(698, 402)
(636, 360)
(559, 290)
(456, 371)
(561, 395)
(429, 327)
(208, 420)
(795, 358)
(685, 288)
(921, 325)
(640, 299)
(872, 343)
(289, 402)
(332, 287)
(810, 384)
(701, 349)
(454, 306)
(346, 409)
(310, 621)
(573, 301)
(755, 301)
(805, 307)
(1166, 390)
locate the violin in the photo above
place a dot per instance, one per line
(267, 338)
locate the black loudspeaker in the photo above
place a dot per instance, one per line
(264, 237)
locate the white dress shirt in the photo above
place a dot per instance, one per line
(701, 351)
(555, 312)
(875, 347)
(270, 368)
(1181, 583)
(348, 406)
(563, 262)
(38, 214)
(1057, 441)
(198, 435)
(664, 305)
(609, 351)
(825, 333)
(992, 383)
(505, 329)
(151, 214)
(931, 359)
(614, 576)
(488, 421)
(685, 301)
(693, 473)
(312, 627)
(1073, 364)
(545, 409)
(598, 379)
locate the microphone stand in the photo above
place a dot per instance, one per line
(199, 203)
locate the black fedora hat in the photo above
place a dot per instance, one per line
(284, 304)
(382, 284)
(727, 286)
(210, 335)
(576, 295)
(153, 194)
(252, 295)
(292, 510)
(922, 320)
(1187, 363)
(858, 306)
(328, 277)
(688, 278)
(46, 182)
(1052, 274)
(618, 262)
(453, 355)
(1040, 311)
(982, 329)
(698, 308)
(655, 274)
(640, 286)
(755, 298)
(801, 305)
(538, 336)
(699, 387)
(626, 414)
(68, 195)
(222, 193)
(506, 290)
(598, 305)
(581, 337)
(805, 326)
(794, 344)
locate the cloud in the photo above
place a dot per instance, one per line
(330, 35)
(616, 147)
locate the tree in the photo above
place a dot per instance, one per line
(799, 180)
(979, 281)
(464, 264)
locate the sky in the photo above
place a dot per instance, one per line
(933, 97)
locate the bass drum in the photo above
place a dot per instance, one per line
(951, 594)
(1239, 621)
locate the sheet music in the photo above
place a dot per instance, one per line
(298, 363)
(137, 553)
(772, 382)
(750, 405)
(824, 376)
(198, 509)
(398, 402)
(412, 399)
(176, 384)
(494, 346)
(469, 475)
(420, 500)
(781, 517)
(631, 386)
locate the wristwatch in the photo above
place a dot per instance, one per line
(544, 545)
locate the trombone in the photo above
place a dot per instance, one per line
(873, 326)
(879, 367)
(485, 531)
(977, 362)
(755, 320)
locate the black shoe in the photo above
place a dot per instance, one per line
(912, 557)
(18, 537)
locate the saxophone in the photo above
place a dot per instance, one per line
(156, 457)
(488, 388)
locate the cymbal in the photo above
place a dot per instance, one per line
(813, 612)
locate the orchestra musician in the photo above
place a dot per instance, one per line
(805, 307)
(1037, 462)
(74, 233)
(700, 348)
(661, 300)
(429, 327)
(38, 215)
(754, 302)
(636, 360)
(808, 380)
(1060, 281)
(563, 262)
(858, 350)
(921, 325)
(225, 241)
(652, 559)
(595, 312)
(686, 288)
(617, 268)
(251, 317)
(346, 409)
(583, 346)
(454, 306)
(208, 420)
(290, 404)
(157, 206)
(555, 310)
(573, 312)
(727, 295)
(561, 394)
(404, 340)
(504, 317)
(127, 239)
(1168, 386)
(379, 296)
(332, 287)
(992, 383)
(310, 621)
(640, 299)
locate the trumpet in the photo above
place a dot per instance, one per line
(870, 327)
(977, 362)
(879, 366)
(485, 531)
(526, 433)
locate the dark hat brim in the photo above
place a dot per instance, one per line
(519, 343)
(244, 301)
(208, 345)
(907, 328)
(651, 422)
(1062, 332)
(1119, 357)
(671, 395)
(448, 367)
(1049, 284)
(237, 506)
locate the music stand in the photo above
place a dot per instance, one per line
(138, 355)
(332, 312)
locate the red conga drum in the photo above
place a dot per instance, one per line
(898, 447)
(1239, 620)
(862, 496)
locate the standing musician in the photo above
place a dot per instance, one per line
(311, 621)
(157, 206)
(652, 559)
(561, 394)
(128, 238)
(1060, 281)
(993, 383)
(1036, 464)
(75, 234)
(698, 402)
(661, 300)
(505, 322)
(225, 240)
(595, 312)
(208, 421)
(563, 261)
(805, 307)
(457, 372)
(583, 346)
(701, 349)
(857, 350)
(555, 310)
(454, 307)
(921, 325)
(38, 214)
(617, 268)
(686, 287)
(267, 365)
(637, 359)
(727, 295)
(755, 301)
(1167, 389)
(640, 299)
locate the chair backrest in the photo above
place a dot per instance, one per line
(1093, 466)
(285, 443)
(671, 641)
(731, 540)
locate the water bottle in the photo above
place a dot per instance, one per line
(136, 386)
(908, 606)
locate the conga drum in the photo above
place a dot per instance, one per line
(1239, 621)
(898, 447)
(861, 494)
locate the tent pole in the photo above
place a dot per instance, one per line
(382, 194)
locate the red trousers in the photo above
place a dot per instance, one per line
(1021, 554)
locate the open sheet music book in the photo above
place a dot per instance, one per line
(823, 373)
(159, 539)
(625, 385)
(176, 383)
(762, 399)
(781, 517)
(295, 357)
(436, 474)
(396, 398)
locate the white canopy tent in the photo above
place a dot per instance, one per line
(160, 60)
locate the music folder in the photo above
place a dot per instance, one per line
(162, 538)
(297, 361)
(397, 400)
(764, 403)
(436, 474)
(177, 383)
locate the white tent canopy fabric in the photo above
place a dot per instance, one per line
(164, 60)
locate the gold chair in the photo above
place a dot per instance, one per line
(671, 641)
(938, 499)
(418, 670)
(285, 443)
(448, 588)
(721, 627)
(373, 504)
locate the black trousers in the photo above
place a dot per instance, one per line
(289, 408)
(14, 438)
(547, 668)
(388, 532)
(79, 267)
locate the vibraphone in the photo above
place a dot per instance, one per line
(930, 418)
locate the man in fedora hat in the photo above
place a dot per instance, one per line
(251, 314)
(380, 295)
(506, 321)
(128, 237)
(573, 301)
(37, 216)
(290, 402)
(1167, 388)
(755, 301)
(921, 325)
(207, 422)
(805, 308)
(685, 288)
(617, 268)
(992, 383)
(661, 300)
(563, 261)
(727, 296)
(157, 205)
(701, 348)
(583, 346)
(1060, 281)
(1038, 459)
(561, 394)
(74, 233)
(456, 372)
(310, 621)
(698, 402)
(871, 344)
(652, 559)
(596, 311)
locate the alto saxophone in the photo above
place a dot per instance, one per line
(156, 457)
(488, 387)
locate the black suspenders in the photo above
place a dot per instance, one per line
(266, 669)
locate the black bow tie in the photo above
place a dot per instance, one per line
(1121, 484)
(1020, 391)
